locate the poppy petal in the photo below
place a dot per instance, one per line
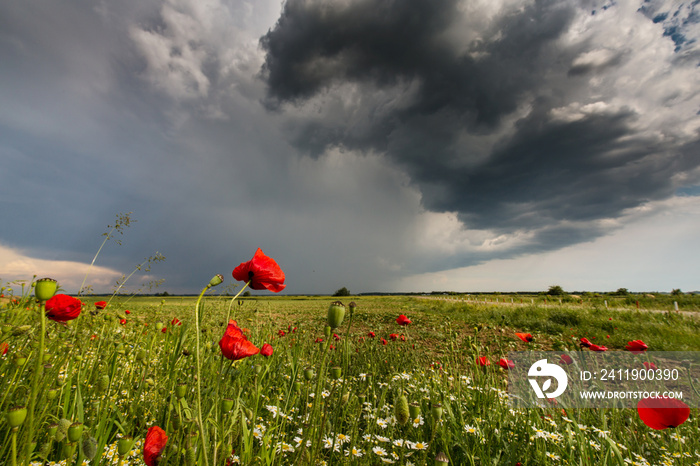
(662, 413)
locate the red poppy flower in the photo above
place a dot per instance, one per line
(156, 438)
(175, 321)
(100, 304)
(506, 363)
(234, 345)
(267, 350)
(164, 329)
(526, 337)
(662, 413)
(403, 320)
(565, 359)
(280, 333)
(585, 343)
(403, 337)
(636, 346)
(650, 365)
(4, 347)
(336, 337)
(262, 272)
(483, 361)
(62, 308)
(597, 348)
(384, 342)
(127, 312)
(318, 340)
(393, 336)
(371, 334)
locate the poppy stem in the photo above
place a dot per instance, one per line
(228, 315)
(199, 379)
(35, 380)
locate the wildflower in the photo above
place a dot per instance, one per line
(379, 451)
(419, 446)
(506, 363)
(100, 305)
(597, 348)
(262, 272)
(62, 308)
(662, 413)
(164, 329)
(156, 439)
(354, 452)
(526, 337)
(650, 365)
(280, 333)
(175, 321)
(394, 336)
(565, 359)
(403, 320)
(122, 321)
(4, 347)
(318, 340)
(470, 429)
(371, 334)
(384, 342)
(267, 350)
(585, 343)
(636, 346)
(234, 345)
(483, 361)
(127, 312)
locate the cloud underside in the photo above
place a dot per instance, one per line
(521, 119)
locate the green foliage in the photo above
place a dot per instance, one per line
(556, 290)
(342, 292)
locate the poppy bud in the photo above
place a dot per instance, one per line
(216, 280)
(89, 447)
(227, 404)
(336, 372)
(141, 354)
(20, 360)
(190, 457)
(308, 373)
(21, 330)
(45, 288)
(180, 390)
(441, 459)
(124, 445)
(401, 410)
(51, 394)
(103, 383)
(16, 416)
(159, 326)
(436, 411)
(257, 368)
(414, 410)
(75, 431)
(336, 314)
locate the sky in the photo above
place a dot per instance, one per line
(414, 145)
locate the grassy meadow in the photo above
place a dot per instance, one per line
(325, 398)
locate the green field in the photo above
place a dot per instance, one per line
(114, 375)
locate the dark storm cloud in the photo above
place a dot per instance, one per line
(545, 171)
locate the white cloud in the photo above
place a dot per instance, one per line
(15, 265)
(649, 253)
